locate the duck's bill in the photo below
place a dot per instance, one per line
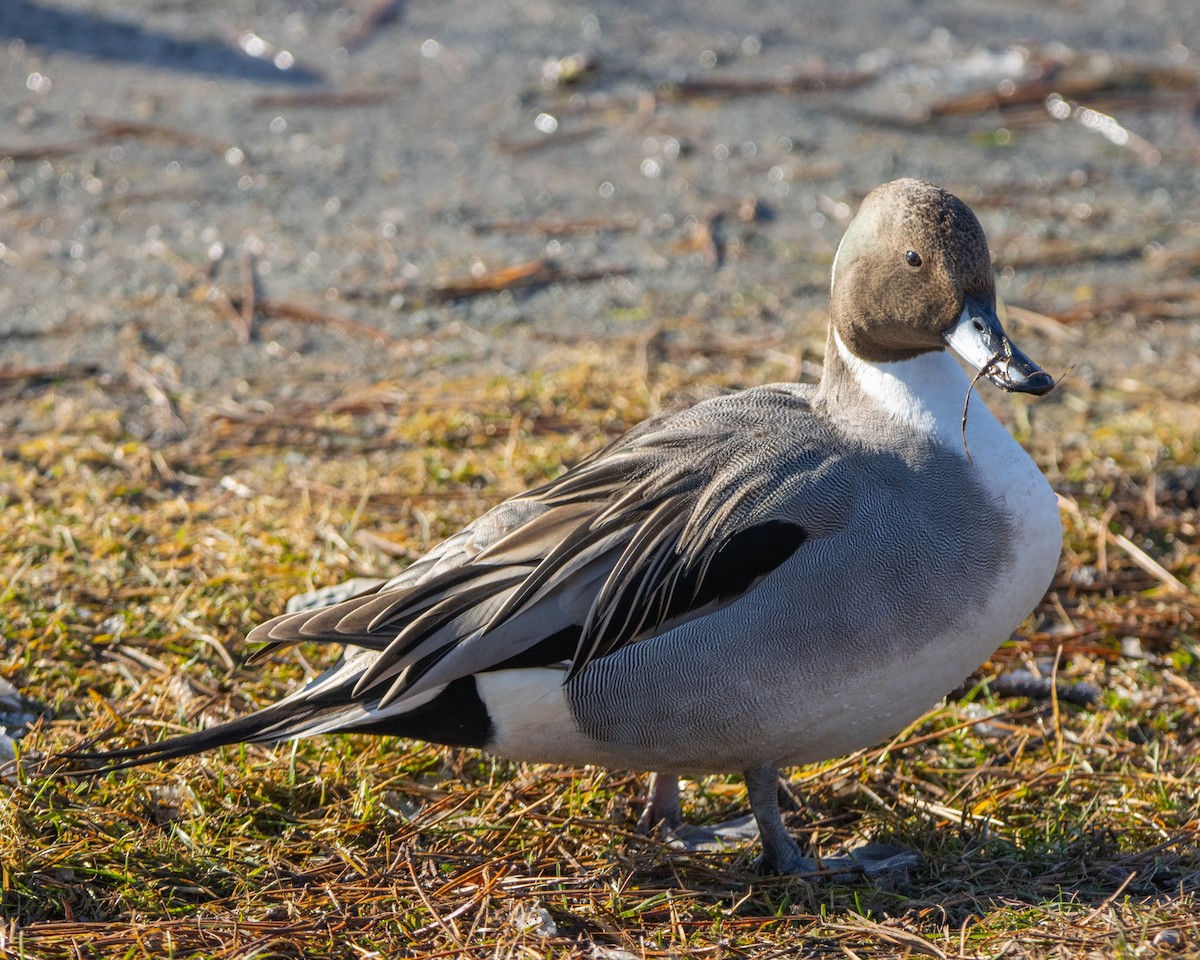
(980, 340)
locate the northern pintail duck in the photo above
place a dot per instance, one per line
(770, 577)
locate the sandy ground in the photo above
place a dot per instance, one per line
(349, 161)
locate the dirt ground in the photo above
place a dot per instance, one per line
(639, 168)
(316, 229)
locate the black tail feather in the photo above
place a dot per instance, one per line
(272, 724)
(242, 730)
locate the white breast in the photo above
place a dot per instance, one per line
(926, 394)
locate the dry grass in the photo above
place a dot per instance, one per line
(131, 570)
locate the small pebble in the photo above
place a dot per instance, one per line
(1131, 647)
(537, 920)
(1168, 940)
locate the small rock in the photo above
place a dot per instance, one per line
(8, 759)
(1168, 940)
(1084, 576)
(1179, 487)
(16, 710)
(536, 920)
(1132, 648)
(8, 692)
(611, 953)
(402, 806)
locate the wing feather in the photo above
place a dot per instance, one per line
(669, 523)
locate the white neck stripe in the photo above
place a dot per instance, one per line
(925, 393)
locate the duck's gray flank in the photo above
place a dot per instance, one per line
(720, 676)
(765, 577)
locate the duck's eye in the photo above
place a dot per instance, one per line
(913, 258)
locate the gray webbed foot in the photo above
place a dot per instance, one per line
(782, 855)
(875, 860)
(882, 859)
(662, 810)
(716, 836)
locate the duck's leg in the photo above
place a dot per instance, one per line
(662, 804)
(781, 854)
(662, 807)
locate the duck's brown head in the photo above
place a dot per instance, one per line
(912, 275)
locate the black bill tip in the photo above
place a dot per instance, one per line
(1016, 373)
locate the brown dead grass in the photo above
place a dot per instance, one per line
(132, 568)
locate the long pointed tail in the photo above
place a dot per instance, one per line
(285, 720)
(450, 713)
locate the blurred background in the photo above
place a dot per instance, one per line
(206, 206)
